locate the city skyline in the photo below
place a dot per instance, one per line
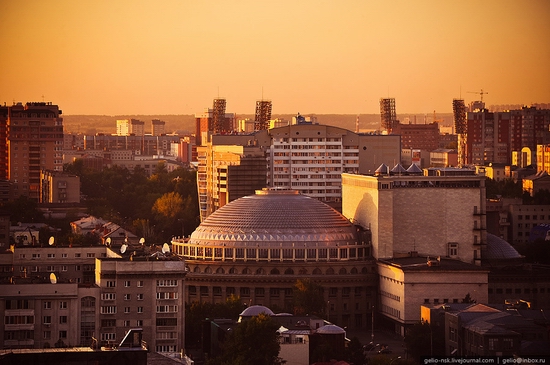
(122, 57)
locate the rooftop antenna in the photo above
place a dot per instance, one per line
(53, 278)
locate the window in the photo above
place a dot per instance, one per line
(127, 284)
(108, 336)
(64, 268)
(108, 296)
(47, 320)
(452, 250)
(140, 297)
(126, 309)
(127, 297)
(140, 309)
(126, 323)
(47, 305)
(108, 309)
(90, 255)
(62, 319)
(139, 322)
(140, 283)
(111, 284)
(47, 335)
(63, 334)
(77, 255)
(62, 305)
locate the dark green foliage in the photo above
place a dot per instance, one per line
(253, 342)
(535, 252)
(24, 210)
(354, 352)
(424, 339)
(197, 312)
(308, 298)
(503, 188)
(127, 198)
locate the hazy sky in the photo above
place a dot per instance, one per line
(173, 57)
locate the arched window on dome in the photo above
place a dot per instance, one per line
(353, 270)
(208, 270)
(330, 271)
(274, 272)
(246, 271)
(220, 270)
(364, 270)
(260, 271)
(289, 272)
(197, 269)
(232, 270)
(342, 271)
(317, 271)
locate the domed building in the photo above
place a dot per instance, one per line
(258, 246)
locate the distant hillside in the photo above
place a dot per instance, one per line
(185, 123)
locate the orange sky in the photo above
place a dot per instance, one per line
(173, 57)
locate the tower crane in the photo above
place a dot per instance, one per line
(481, 93)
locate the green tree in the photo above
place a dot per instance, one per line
(253, 342)
(308, 298)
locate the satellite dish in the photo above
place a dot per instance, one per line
(141, 241)
(108, 241)
(165, 248)
(123, 248)
(53, 278)
(51, 241)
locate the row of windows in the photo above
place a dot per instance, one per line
(273, 292)
(275, 271)
(127, 283)
(63, 255)
(112, 309)
(519, 290)
(264, 254)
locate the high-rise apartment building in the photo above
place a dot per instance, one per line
(32, 140)
(418, 136)
(488, 137)
(158, 127)
(127, 127)
(228, 172)
(529, 127)
(263, 114)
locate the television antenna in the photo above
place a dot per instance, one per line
(165, 248)
(53, 278)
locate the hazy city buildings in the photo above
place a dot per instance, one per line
(158, 127)
(129, 127)
(310, 158)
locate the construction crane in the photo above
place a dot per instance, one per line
(481, 93)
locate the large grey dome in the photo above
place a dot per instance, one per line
(275, 218)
